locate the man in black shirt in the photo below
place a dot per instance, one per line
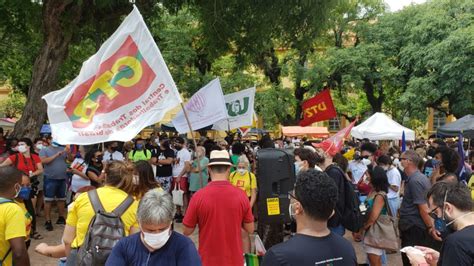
(451, 207)
(311, 205)
(163, 159)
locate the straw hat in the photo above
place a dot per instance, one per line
(219, 158)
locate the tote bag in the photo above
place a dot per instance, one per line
(383, 234)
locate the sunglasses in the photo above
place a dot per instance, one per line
(401, 159)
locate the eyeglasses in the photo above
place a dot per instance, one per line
(432, 213)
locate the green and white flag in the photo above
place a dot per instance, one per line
(240, 109)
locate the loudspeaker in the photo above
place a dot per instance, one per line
(275, 178)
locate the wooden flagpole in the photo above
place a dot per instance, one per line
(195, 144)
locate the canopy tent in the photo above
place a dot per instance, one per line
(381, 127)
(464, 126)
(317, 132)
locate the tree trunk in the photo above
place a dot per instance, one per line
(268, 62)
(374, 101)
(57, 37)
(300, 91)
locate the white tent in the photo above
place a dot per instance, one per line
(381, 127)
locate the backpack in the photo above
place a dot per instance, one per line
(4, 200)
(105, 230)
(352, 219)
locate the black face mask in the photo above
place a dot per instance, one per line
(178, 146)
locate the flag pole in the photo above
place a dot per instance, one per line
(195, 144)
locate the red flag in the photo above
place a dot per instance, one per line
(318, 108)
(334, 144)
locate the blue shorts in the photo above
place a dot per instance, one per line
(54, 189)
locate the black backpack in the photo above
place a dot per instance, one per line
(105, 230)
(352, 219)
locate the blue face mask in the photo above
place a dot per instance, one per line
(139, 146)
(24, 193)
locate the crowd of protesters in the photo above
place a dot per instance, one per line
(427, 187)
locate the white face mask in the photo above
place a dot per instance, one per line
(22, 148)
(39, 146)
(366, 161)
(241, 171)
(156, 241)
(136, 179)
(290, 211)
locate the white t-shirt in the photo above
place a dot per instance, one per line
(357, 168)
(116, 156)
(77, 182)
(394, 178)
(182, 156)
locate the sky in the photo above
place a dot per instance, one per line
(396, 5)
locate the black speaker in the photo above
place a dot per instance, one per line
(275, 178)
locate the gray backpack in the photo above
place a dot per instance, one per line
(105, 230)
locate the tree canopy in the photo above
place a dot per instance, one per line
(400, 63)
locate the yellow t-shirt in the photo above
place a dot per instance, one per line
(244, 182)
(82, 212)
(28, 219)
(12, 225)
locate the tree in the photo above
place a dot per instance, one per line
(438, 56)
(13, 106)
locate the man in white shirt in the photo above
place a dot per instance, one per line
(394, 179)
(181, 167)
(111, 152)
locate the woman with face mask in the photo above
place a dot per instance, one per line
(242, 178)
(156, 244)
(93, 160)
(199, 175)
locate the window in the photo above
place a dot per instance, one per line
(334, 124)
(439, 119)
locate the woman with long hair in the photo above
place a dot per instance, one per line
(143, 179)
(118, 186)
(93, 160)
(376, 202)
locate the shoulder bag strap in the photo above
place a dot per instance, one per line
(95, 201)
(6, 255)
(384, 195)
(123, 206)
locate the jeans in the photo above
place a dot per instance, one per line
(54, 188)
(394, 204)
(340, 230)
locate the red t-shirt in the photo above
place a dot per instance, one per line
(219, 210)
(25, 164)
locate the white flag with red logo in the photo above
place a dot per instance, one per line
(205, 107)
(120, 90)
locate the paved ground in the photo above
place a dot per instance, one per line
(54, 238)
